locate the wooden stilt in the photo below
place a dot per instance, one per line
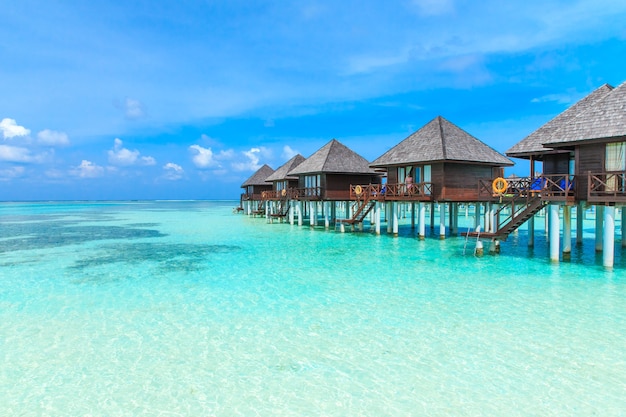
(442, 220)
(567, 232)
(554, 232)
(599, 227)
(580, 216)
(608, 253)
(531, 232)
(422, 221)
(394, 217)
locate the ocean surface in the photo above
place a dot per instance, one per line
(186, 309)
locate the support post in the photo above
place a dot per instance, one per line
(432, 216)
(580, 216)
(326, 215)
(394, 217)
(554, 232)
(299, 213)
(599, 228)
(422, 221)
(442, 221)
(377, 217)
(531, 232)
(567, 232)
(608, 254)
(623, 225)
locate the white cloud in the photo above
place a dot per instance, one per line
(125, 157)
(288, 152)
(133, 109)
(10, 129)
(559, 98)
(203, 157)
(253, 159)
(15, 154)
(87, 169)
(11, 173)
(52, 138)
(173, 172)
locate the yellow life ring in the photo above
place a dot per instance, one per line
(283, 192)
(263, 194)
(499, 185)
(358, 190)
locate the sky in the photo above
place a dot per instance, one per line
(186, 99)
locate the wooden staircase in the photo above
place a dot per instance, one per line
(522, 208)
(362, 207)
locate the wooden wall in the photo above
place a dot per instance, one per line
(556, 163)
(588, 158)
(460, 181)
(337, 186)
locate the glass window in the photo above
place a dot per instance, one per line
(615, 161)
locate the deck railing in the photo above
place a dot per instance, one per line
(550, 187)
(609, 186)
(416, 191)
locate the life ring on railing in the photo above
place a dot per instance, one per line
(358, 190)
(499, 186)
(263, 194)
(283, 192)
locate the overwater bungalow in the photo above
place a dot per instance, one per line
(325, 177)
(284, 187)
(251, 199)
(440, 163)
(583, 155)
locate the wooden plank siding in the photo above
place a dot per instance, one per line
(589, 158)
(460, 181)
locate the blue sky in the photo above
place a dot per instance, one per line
(186, 99)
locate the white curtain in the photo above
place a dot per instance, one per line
(615, 161)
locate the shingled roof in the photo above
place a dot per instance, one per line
(258, 178)
(440, 140)
(281, 173)
(533, 143)
(334, 157)
(605, 119)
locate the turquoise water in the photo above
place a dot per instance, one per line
(186, 309)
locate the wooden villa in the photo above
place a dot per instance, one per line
(324, 180)
(284, 188)
(439, 163)
(251, 199)
(583, 155)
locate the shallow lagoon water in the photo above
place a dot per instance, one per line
(184, 308)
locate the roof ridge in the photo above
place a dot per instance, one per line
(331, 145)
(443, 138)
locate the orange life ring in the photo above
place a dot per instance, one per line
(499, 186)
(263, 194)
(358, 190)
(283, 192)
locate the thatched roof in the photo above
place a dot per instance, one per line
(334, 157)
(281, 173)
(258, 178)
(533, 143)
(605, 119)
(439, 140)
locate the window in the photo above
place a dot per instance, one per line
(615, 161)
(312, 184)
